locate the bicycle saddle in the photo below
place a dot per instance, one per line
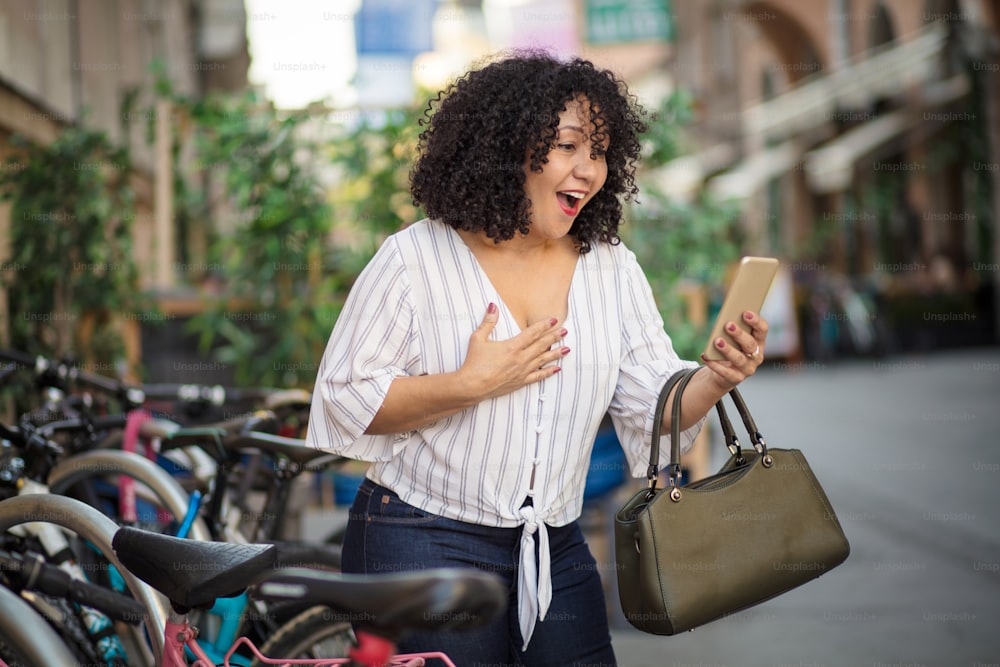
(432, 599)
(288, 398)
(191, 573)
(173, 435)
(293, 449)
(158, 428)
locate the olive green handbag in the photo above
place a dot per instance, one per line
(762, 525)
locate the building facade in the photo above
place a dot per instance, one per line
(862, 137)
(65, 62)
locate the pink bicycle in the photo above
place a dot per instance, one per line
(193, 574)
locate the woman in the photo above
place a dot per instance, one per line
(480, 348)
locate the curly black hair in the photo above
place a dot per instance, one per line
(469, 171)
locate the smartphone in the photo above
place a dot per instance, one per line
(747, 291)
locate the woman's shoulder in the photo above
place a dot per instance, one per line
(421, 243)
(615, 255)
(421, 233)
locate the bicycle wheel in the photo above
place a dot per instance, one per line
(318, 632)
(26, 639)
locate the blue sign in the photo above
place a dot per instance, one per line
(395, 27)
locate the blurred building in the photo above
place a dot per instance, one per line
(389, 35)
(69, 63)
(65, 62)
(443, 37)
(862, 137)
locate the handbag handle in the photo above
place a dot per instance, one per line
(680, 379)
(661, 402)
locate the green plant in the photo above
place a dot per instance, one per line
(269, 222)
(683, 247)
(70, 272)
(373, 160)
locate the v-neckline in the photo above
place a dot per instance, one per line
(499, 299)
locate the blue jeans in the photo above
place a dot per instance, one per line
(384, 534)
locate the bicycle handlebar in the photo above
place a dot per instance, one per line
(27, 432)
(62, 373)
(187, 393)
(80, 424)
(216, 395)
(16, 357)
(34, 574)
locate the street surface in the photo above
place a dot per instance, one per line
(908, 451)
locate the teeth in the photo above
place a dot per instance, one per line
(575, 195)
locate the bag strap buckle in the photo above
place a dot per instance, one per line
(674, 474)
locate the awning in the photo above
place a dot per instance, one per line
(753, 174)
(881, 72)
(683, 177)
(830, 167)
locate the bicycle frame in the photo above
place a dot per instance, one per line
(229, 610)
(178, 635)
(93, 526)
(31, 632)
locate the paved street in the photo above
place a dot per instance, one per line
(908, 450)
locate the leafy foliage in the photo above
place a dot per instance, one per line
(270, 219)
(373, 160)
(71, 269)
(684, 247)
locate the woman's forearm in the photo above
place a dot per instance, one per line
(491, 368)
(419, 400)
(700, 396)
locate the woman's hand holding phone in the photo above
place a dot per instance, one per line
(735, 348)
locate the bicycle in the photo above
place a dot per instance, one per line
(383, 607)
(85, 473)
(386, 606)
(86, 628)
(51, 512)
(233, 615)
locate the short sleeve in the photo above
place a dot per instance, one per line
(372, 343)
(648, 360)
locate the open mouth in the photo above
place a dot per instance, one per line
(569, 202)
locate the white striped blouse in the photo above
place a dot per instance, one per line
(412, 311)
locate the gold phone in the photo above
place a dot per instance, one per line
(747, 291)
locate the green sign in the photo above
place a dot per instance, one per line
(621, 21)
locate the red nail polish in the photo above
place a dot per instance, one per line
(564, 351)
(731, 327)
(492, 308)
(556, 370)
(563, 333)
(553, 322)
(749, 315)
(719, 343)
